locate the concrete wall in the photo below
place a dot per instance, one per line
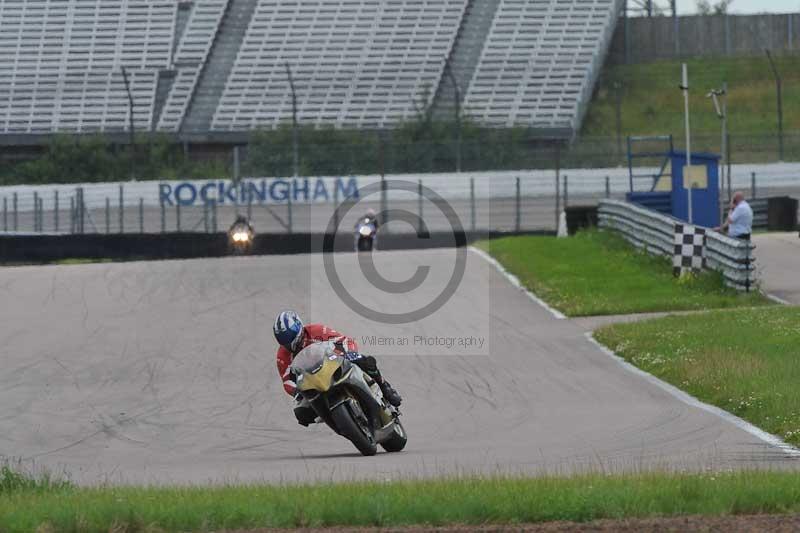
(651, 39)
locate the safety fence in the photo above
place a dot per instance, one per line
(655, 233)
(499, 201)
(488, 201)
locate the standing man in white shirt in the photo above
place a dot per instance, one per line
(740, 218)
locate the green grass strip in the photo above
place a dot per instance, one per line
(466, 501)
(599, 273)
(746, 361)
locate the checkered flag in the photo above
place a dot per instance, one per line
(690, 242)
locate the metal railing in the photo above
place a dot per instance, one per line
(654, 233)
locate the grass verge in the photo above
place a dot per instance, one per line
(746, 362)
(599, 273)
(466, 501)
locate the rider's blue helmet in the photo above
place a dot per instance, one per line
(288, 329)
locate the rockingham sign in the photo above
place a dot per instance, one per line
(258, 191)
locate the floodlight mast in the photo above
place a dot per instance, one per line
(457, 96)
(132, 131)
(295, 149)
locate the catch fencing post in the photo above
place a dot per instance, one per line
(15, 214)
(205, 215)
(5, 213)
(566, 191)
(518, 215)
(71, 215)
(41, 214)
(249, 203)
(81, 207)
(141, 215)
(214, 216)
(383, 199)
(177, 216)
(608, 187)
(419, 205)
(472, 203)
(108, 215)
(752, 184)
(288, 212)
(35, 211)
(121, 210)
(55, 210)
(336, 207)
(236, 164)
(163, 217)
(558, 184)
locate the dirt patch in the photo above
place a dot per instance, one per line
(770, 523)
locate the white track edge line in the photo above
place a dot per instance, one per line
(777, 299)
(514, 280)
(690, 400)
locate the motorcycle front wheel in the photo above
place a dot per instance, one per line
(364, 244)
(349, 428)
(398, 440)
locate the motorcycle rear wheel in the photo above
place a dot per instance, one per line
(349, 428)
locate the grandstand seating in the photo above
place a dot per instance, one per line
(361, 63)
(60, 62)
(190, 55)
(196, 65)
(540, 59)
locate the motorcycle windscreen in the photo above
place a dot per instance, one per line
(310, 359)
(315, 366)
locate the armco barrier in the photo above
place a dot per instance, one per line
(654, 232)
(37, 248)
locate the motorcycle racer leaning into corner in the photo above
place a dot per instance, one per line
(293, 336)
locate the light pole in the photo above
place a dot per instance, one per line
(295, 154)
(722, 112)
(132, 132)
(687, 173)
(778, 88)
(618, 94)
(457, 95)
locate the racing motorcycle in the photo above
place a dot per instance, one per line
(365, 235)
(347, 399)
(240, 238)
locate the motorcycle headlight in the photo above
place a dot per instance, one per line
(365, 231)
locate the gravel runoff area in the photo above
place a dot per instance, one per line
(164, 372)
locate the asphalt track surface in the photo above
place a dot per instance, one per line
(777, 259)
(164, 372)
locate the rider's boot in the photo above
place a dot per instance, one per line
(370, 366)
(389, 393)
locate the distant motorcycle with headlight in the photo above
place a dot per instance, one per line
(347, 399)
(240, 237)
(366, 232)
